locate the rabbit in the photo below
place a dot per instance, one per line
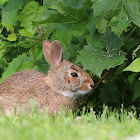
(64, 84)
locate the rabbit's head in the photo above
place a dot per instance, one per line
(65, 77)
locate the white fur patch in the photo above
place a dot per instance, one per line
(72, 94)
(68, 93)
(89, 86)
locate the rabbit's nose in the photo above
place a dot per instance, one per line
(91, 86)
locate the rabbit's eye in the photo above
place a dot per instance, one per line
(74, 74)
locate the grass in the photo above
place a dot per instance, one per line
(110, 125)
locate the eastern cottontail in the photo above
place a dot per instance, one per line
(61, 86)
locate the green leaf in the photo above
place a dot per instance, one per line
(105, 6)
(34, 61)
(94, 38)
(119, 23)
(110, 95)
(13, 66)
(25, 33)
(28, 14)
(77, 4)
(119, 70)
(91, 27)
(64, 11)
(97, 59)
(65, 39)
(134, 66)
(101, 24)
(8, 27)
(104, 10)
(132, 9)
(2, 48)
(63, 16)
(10, 11)
(110, 40)
(73, 15)
(132, 77)
(23, 65)
(136, 90)
(2, 2)
(12, 37)
(131, 42)
(77, 28)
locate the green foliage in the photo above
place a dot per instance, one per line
(10, 11)
(134, 66)
(25, 33)
(132, 9)
(96, 59)
(120, 22)
(97, 35)
(30, 13)
(112, 93)
(31, 61)
(136, 90)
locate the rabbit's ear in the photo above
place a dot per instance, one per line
(56, 53)
(46, 49)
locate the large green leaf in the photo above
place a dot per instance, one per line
(132, 9)
(10, 11)
(120, 22)
(103, 11)
(77, 28)
(67, 16)
(30, 13)
(73, 15)
(62, 11)
(136, 90)
(134, 66)
(74, 4)
(97, 59)
(105, 6)
(101, 24)
(93, 38)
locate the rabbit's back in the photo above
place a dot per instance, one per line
(15, 89)
(20, 81)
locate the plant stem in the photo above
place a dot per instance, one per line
(131, 32)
